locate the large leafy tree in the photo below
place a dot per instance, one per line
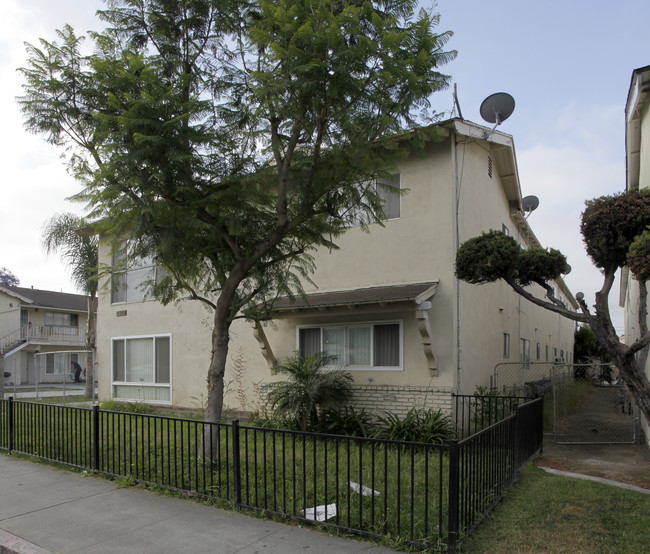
(230, 138)
(615, 232)
(65, 234)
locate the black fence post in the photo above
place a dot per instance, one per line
(10, 424)
(516, 441)
(95, 441)
(236, 466)
(454, 493)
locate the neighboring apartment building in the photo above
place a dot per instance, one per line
(40, 332)
(637, 160)
(388, 304)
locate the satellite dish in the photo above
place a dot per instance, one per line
(530, 204)
(568, 269)
(497, 107)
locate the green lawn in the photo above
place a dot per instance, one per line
(550, 513)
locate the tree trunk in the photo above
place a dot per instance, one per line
(632, 372)
(91, 333)
(216, 374)
(637, 383)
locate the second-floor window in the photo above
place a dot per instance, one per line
(132, 284)
(386, 190)
(60, 319)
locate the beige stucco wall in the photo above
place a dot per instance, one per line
(490, 310)
(418, 247)
(9, 314)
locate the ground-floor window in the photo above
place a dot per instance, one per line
(59, 363)
(372, 345)
(141, 368)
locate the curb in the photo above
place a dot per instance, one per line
(11, 544)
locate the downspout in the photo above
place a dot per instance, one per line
(456, 244)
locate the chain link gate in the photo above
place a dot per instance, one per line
(584, 403)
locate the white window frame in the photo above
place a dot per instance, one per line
(356, 216)
(121, 279)
(351, 324)
(388, 182)
(143, 384)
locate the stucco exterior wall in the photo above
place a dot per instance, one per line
(489, 311)
(9, 314)
(419, 247)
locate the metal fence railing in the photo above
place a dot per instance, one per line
(473, 412)
(430, 496)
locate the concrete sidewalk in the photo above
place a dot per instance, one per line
(46, 509)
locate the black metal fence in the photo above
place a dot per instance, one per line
(473, 412)
(430, 496)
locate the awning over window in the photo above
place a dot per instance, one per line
(418, 293)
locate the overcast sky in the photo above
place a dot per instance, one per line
(567, 64)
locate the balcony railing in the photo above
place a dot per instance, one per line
(42, 334)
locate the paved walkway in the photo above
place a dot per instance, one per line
(46, 509)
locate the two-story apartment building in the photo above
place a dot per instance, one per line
(637, 161)
(387, 303)
(37, 329)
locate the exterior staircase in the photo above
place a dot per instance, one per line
(40, 334)
(12, 343)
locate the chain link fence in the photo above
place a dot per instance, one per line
(584, 403)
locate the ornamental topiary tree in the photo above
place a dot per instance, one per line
(615, 232)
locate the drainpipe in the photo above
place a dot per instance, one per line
(456, 244)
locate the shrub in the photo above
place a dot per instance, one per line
(126, 407)
(309, 389)
(418, 425)
(348, 422)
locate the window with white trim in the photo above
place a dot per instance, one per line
(506, 345)
(372, 345)
(388, 190)
(58, 363)
(141, 368)
(131, 285)
(61, 319)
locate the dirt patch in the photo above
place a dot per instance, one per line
(624, 463)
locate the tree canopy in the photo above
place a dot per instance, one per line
(229, 139)
(615, 230)
(7, 278)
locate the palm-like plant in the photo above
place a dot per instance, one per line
(309, 388)
(79, 251)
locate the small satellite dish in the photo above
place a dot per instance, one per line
(530, 204)
(497, 107)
